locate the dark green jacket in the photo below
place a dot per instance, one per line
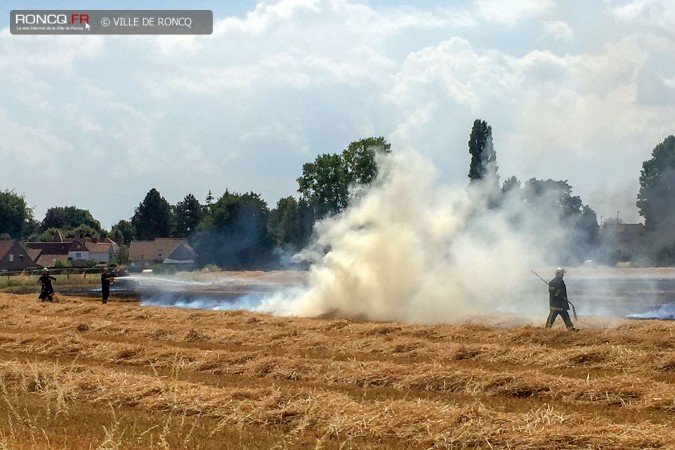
(557, 294)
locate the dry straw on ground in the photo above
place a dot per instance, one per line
(77, 374)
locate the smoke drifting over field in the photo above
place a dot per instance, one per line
(409, 249)
(412, 250)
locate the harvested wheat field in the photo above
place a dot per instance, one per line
(77, 375)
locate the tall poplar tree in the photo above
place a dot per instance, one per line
(483, 166)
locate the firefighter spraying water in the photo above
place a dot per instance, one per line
(106, 279)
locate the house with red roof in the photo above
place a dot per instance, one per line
(77, 251)
(99, 250)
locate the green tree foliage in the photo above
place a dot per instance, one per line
(587, 233)
(60, 264)
(483, 166)
(554, 203)
(286, 225)
(16, 218)
(307, 219)
(483, 156)
(82, 231)
(122, 256)
(511, 184)
(68, 218)
(657, 189)
(665, 256)
(122, 232)
(359, 159)
(51, 234)
(323, 184)
(330, 182)
(152, 217)
(188, 213)
(234, 234)
(48, 235)
(558, 193)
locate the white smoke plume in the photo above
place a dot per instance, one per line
(411, 250)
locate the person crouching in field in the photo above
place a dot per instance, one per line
(106, 279)
(47, 291)
(558, 304)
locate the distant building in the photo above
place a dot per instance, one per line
(78, 251)
(619, 237)
(50, 260)
(99, 250)
(175, 251)
(14, 257)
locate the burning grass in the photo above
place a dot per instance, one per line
(77, 374)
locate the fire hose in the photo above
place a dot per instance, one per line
(574, 310)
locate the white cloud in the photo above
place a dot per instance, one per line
(244, 108)
(406, 131)
(61, 54)
(650, 13)
(453, 68)
(298, 43)
(559, 30)
(81, 120)
(511, 11)
(266, 16)
(578, 117)
(34, 148)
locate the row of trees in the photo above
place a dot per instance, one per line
(233, 231)
(241, 231)
(550, 200)
(654, 202)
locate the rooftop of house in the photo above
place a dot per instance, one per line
(5, 246)
(159, 248)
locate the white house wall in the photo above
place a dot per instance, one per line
(79, 255)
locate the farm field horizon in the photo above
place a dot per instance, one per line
(596, 291)
(78, 374)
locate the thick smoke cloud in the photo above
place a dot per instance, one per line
(413, 250)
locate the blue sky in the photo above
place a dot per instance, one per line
(573, 90)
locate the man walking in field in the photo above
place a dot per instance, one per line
(557, 299)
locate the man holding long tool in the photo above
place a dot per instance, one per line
(106, 279)
(558, 303)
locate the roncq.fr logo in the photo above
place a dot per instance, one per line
(51, 19)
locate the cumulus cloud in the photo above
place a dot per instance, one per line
(561, 108)
(511, 11)
(559, 30)
(274, 87)
(30, 146)
(651, 13)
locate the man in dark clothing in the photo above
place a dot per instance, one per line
(106, 279)
(558, 304)
(47, 291)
